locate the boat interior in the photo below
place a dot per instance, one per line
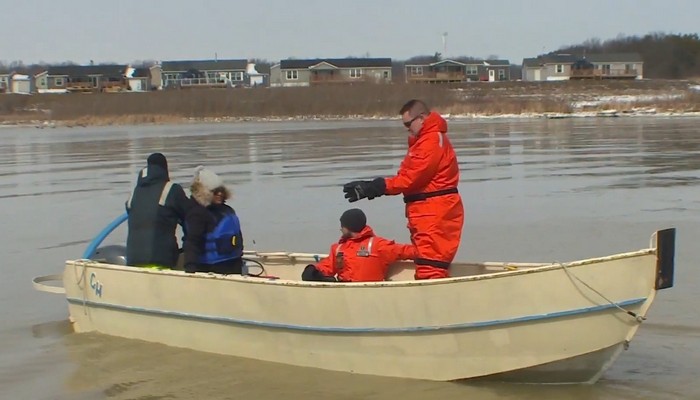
(289, 266)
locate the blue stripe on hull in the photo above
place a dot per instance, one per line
(330, 329)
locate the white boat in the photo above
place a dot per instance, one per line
(546, 323)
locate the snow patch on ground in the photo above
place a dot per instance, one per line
(624, 99)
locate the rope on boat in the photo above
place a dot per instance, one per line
(259, 265)
(638, 318)
(509, 267)
(84, 285)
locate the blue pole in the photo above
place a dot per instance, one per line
(92, 247)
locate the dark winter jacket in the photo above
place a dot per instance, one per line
(155, 208)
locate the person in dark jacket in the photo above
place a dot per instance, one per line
(214, 241)
(155, 208)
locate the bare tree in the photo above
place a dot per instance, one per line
(665, 56)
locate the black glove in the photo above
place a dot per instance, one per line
(354, 190)
(357, 190)
(310, 273)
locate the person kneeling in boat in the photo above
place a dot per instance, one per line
(359, 255)
(213, 237)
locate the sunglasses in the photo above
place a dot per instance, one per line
(407, 124)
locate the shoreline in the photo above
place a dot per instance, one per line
(41, 124)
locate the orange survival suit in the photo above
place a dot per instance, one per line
(363, 258)
(428, 179)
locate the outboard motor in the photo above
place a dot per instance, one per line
(112, 254)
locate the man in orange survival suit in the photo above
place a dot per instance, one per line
(359, 255)
(428, 179)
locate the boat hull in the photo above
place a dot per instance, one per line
(540, 324)
(586, 368)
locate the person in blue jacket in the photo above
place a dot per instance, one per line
(213, 237)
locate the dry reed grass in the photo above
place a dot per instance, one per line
(359, 100)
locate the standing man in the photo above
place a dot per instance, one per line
(155, 208)
(428, 179)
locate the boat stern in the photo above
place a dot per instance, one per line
(665, 258)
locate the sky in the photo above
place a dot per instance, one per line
(130, 30)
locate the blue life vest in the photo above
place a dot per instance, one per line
(225, 242)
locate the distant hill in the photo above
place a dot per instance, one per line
(665, 56)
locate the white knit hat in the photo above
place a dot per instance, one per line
(207, 178)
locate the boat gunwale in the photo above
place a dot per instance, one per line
(288, 282)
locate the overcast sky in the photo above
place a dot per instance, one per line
(128, 30)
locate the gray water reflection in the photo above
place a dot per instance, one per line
(540, 190)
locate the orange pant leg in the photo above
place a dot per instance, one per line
(436, 230)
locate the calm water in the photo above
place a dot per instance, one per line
(541, 190)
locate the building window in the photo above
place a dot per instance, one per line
(42, 82)
(501, 74)
(386, 74)
(560, 68)
(605, 68)
(356, 73)
(237, 76)
(630, 67)
(215, 76)
(293, 74)
(59, 81)
(472, 70)
(170, 79)
(417, 71)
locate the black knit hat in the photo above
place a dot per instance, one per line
(159, 160)
(353, 219)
